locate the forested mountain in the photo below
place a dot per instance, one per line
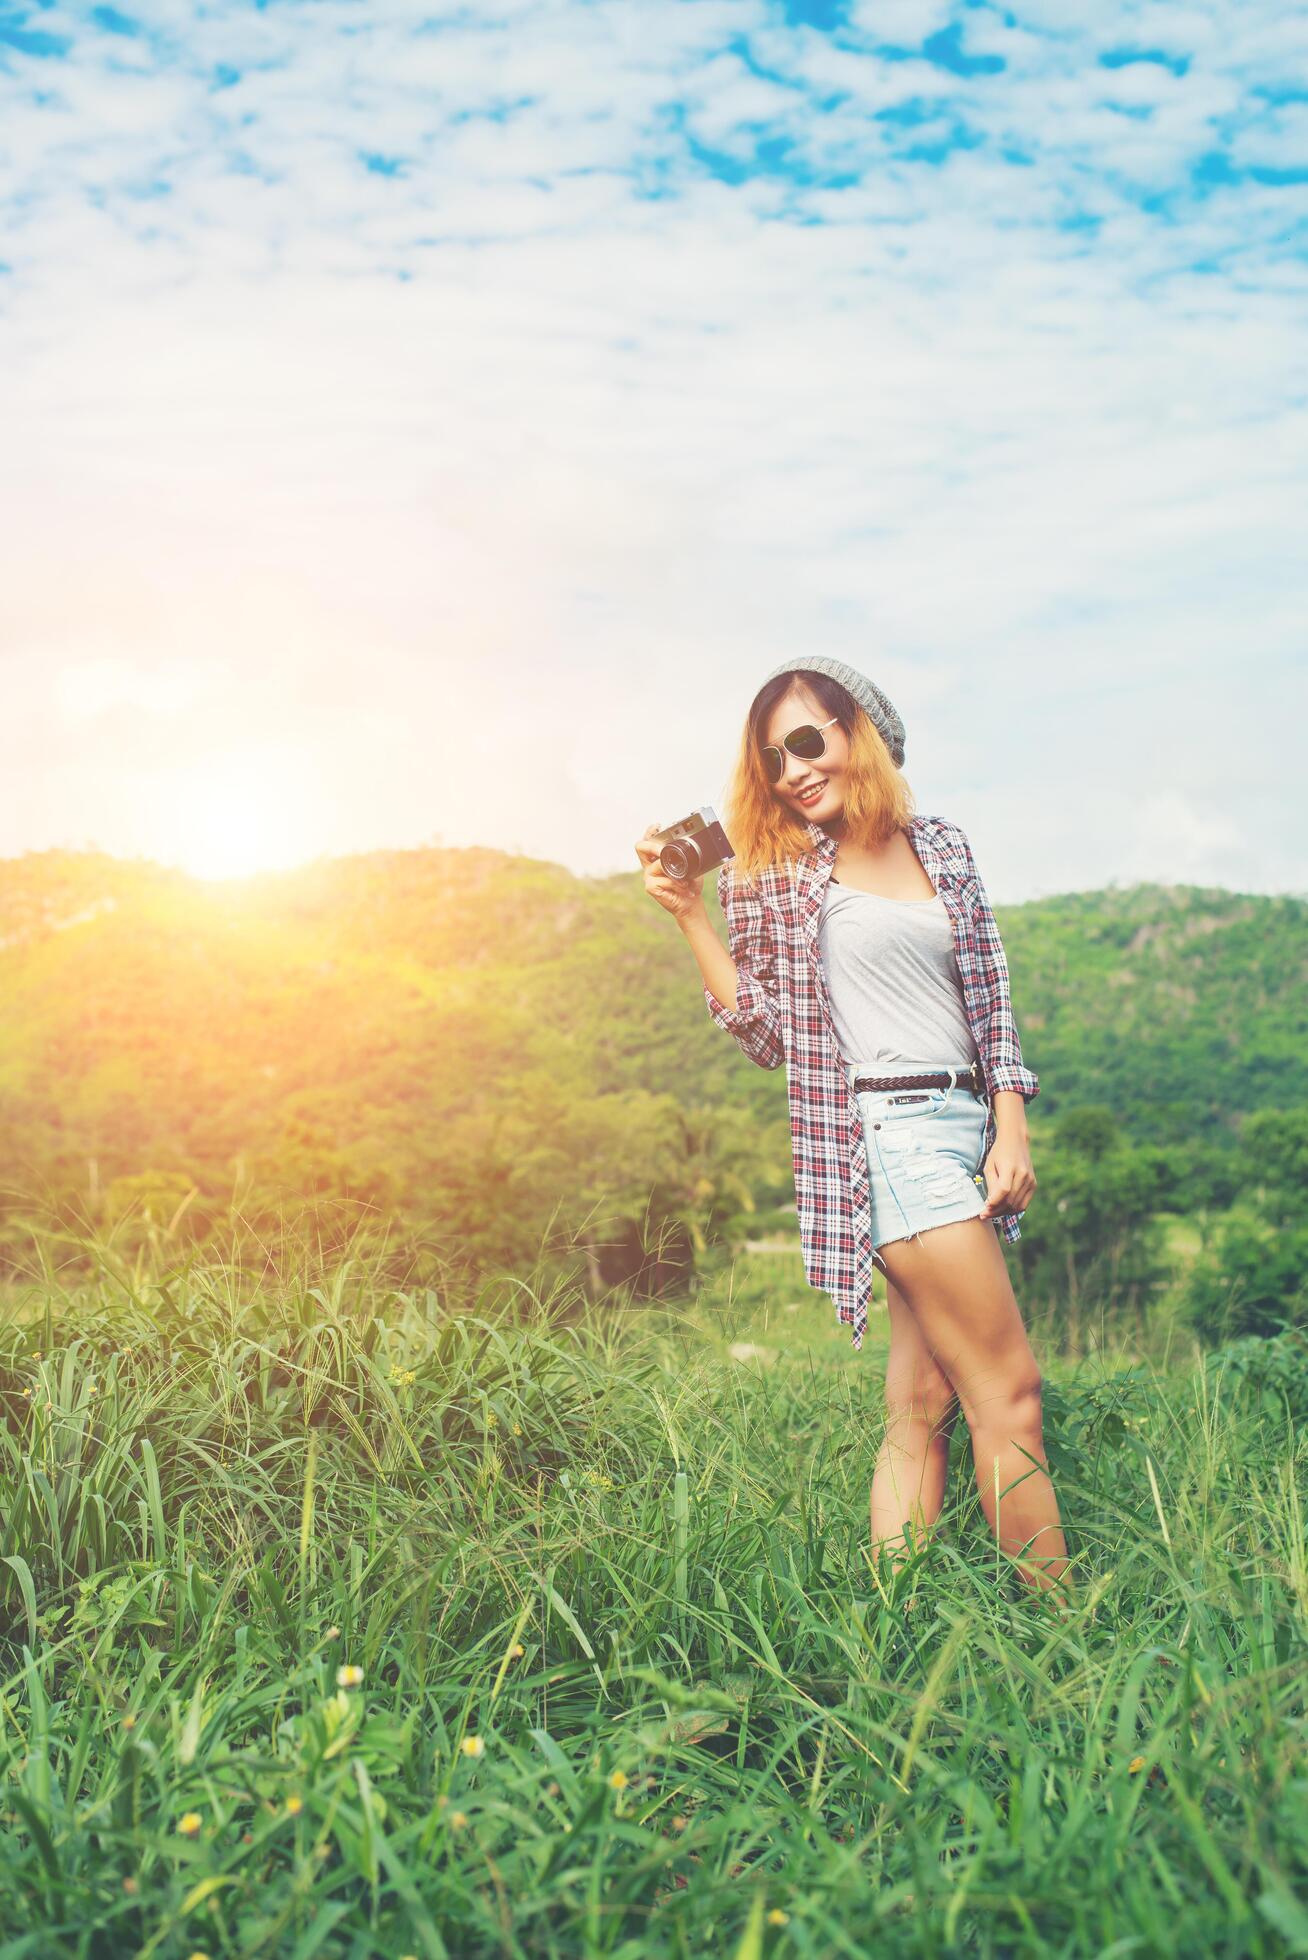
(473, 1044)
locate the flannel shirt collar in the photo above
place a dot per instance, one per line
(822, 847)
(817, 837)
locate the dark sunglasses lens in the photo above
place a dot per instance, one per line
(773, 764)
(807, 743)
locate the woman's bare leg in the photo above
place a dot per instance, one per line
(908, 1484)
(955, 1284)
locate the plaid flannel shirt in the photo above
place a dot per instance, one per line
(783, 1014)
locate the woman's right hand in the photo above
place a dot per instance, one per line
(680, 896)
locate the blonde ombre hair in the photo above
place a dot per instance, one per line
(765, 831)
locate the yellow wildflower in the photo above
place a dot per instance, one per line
(129, 1721)
(458, 1820)
(517, 1650)
(349, 1677)
(778, 1918)
(294, 1805)
(472, 1745)
(619, 1780)
(1135, 1765)
(190, 1824)
(332, 1633)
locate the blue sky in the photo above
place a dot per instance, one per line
(433, 425)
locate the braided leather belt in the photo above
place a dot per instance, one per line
(970, 1078)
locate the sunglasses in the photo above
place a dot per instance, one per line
(806, 742)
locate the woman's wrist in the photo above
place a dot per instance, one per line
(1009, 1106)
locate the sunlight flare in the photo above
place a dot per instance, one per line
(236, 816)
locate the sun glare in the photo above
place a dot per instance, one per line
(233, 819)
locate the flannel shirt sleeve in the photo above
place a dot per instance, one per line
(755, 1023)
(1002, 1059)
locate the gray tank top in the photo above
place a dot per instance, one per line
(892, 975)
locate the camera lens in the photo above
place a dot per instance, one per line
(680, 860)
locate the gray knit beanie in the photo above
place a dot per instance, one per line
(864, 691)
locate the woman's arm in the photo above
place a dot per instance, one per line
(740, 987)
(1010, 1175)
(1011, 1083)
(716, 966)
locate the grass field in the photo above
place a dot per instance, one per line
(335, 1624)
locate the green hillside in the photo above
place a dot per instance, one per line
(470, 1044)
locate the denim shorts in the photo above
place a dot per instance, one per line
(925, 1157)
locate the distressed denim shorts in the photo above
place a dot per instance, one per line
(925, 1156)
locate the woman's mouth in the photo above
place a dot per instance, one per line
(812, 795)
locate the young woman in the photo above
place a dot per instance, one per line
(864, 955)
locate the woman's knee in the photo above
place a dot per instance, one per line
(927, 1396)
(1012, 1405)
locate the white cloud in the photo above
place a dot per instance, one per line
(603, 456)
(1192, 835)
(88, 689)
(899, 23)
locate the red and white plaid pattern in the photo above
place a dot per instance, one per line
(783, 1014)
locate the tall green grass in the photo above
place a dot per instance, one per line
(628, 1683)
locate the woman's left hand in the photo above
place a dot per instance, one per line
(1010, 1180)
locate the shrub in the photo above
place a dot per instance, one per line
(1251, 1281)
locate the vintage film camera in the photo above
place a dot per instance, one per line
(695, 845)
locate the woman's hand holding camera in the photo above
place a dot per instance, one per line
(683, 897)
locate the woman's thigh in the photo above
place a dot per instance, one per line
(954, 1285)
(914, 1379)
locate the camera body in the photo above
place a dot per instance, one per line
(695, 845)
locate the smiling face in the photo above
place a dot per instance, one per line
(815, 790)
